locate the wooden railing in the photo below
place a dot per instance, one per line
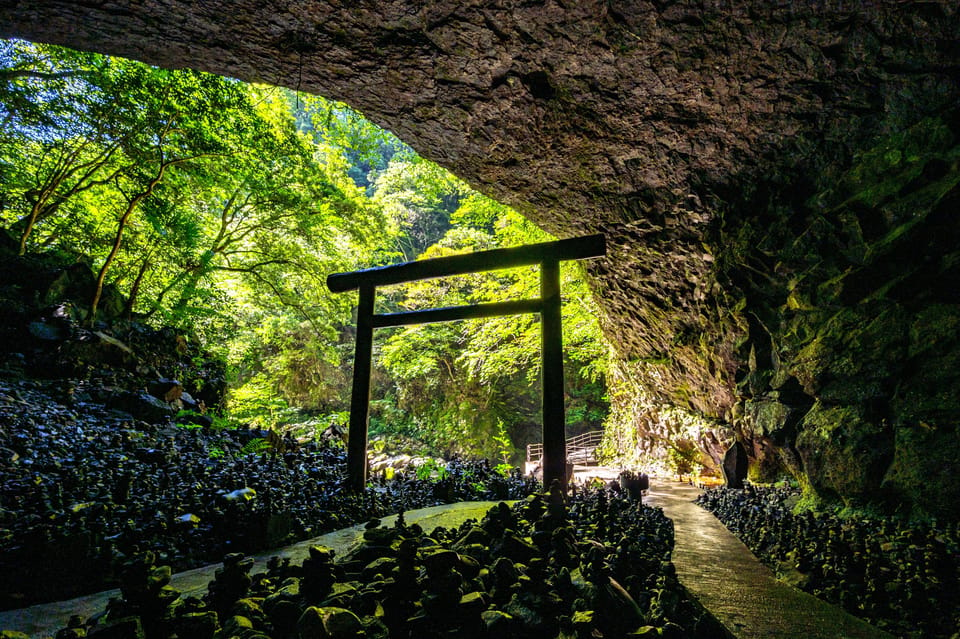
(580, 449)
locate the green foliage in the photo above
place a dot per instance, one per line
(431, 469)
(256, 446)
(258, 404)
(220, 207)
(418, 198)
(502, 439)
(463, 382)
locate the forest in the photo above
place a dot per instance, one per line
(218, 208)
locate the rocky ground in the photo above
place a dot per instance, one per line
(104, 485)
(591, 567)
(115, 472)
(86, 486)
(109, 448)
(901, 577)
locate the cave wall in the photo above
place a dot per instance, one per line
(777, 181)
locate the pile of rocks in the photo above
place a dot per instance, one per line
(107, 453)
(903, 577)
(598, 569)
(86, 487)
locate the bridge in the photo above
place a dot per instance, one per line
(581, 450)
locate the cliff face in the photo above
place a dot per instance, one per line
(778, 185)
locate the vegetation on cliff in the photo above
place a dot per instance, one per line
(218, 208)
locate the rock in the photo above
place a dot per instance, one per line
(240, 495)
(167, 390)
(440, 560)
(844, 452)
(128, 628)
(735, 466)
(75, 283)
(329, 623)
(232, 583)
(48, 330)
(473, 603)
(197, 625)
(497, 623)
(204, 421)
(110, 341)
(284, 615)
(514, 547)
(188, 402)
(381, 567)
(142, 405)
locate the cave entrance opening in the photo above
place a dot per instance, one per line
(547, 255)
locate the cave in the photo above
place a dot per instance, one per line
(777, 183)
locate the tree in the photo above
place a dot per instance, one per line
(200, 174)
(220, 208)
(463, 382)
(418, 197)
(55, 145)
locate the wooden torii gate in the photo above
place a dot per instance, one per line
(547, 254)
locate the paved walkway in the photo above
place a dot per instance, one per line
(711, 562)
(743, 594)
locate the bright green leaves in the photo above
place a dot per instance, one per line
(191, 192)
(220, 207)
(475, 381)
(418, 198)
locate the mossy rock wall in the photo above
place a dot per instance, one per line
(777, 182)
(858, 379)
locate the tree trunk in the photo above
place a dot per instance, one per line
(135, 288)
(118, 237)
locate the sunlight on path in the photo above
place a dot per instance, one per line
(743, 594)
(45, 619)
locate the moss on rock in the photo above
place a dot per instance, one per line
(923, 476)
(844, 453)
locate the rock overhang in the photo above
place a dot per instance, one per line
(718, 147)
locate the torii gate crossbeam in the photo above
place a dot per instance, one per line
(547, 254)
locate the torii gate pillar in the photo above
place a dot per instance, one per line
(548, 255)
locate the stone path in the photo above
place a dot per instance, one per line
(44, 620)
(711, 562)
(743, 594)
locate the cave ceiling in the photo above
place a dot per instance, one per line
(665, 125)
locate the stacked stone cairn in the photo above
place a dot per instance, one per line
(901, 576)
(594, 567)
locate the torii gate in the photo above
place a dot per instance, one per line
(547, 254)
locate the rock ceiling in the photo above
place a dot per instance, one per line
(678, 128)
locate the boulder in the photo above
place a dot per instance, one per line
(735, 466)
(168, 390)
(329, 623)
(141, 405)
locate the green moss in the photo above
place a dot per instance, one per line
(884, 170)
(922, 480)
(929, 394)
(854, 354)
(844, 454)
